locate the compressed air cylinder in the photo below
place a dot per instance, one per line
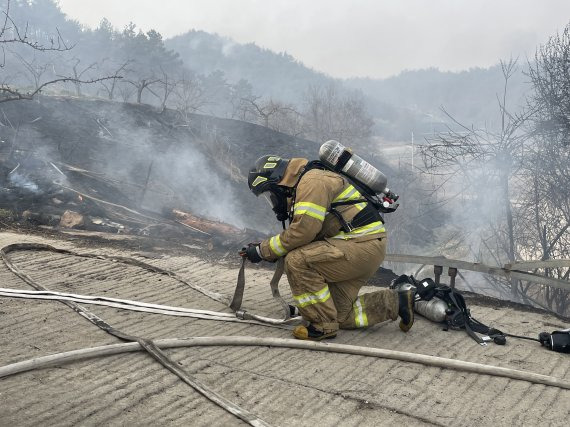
(336, 156)
(434, 309)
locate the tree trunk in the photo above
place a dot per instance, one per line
(112, 91)
(510, 233)
(140, 89)
(146, 184)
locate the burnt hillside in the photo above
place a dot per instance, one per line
(135, 156)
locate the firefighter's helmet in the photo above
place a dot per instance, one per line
(266, 173)
(264, 179)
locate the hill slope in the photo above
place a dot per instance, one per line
(145, 159)
(272, 74)
(408, 102)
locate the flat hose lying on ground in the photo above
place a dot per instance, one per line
(153, 347)
(131, 305)
(440, 362)
(148, 345)
(224, 299)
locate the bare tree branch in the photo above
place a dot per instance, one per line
(21, 37)
(14, 95)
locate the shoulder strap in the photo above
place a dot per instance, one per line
(472, 325)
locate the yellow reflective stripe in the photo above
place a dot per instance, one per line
(356, 195)
(312, 214)
(372, 228)
(360, 206)
(310, 209)
(276, 246)
(343, 194)
(360, 318)
(349, 193)
(314, 206)
(258, 181)
(312, 298)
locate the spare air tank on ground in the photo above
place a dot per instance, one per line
(341, 159)
(434, 309)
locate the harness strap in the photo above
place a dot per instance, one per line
(472, 334)
(473, 325)
(366, 216)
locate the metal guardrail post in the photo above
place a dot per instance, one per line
(452, 274)
(437, 270)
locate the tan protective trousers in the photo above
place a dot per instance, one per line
(326, 276)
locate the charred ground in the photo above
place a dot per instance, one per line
(124, 167)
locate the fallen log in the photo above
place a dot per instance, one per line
(206, 225)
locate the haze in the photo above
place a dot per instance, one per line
(352, 38)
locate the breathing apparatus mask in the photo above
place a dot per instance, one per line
(277, 198)
(263, 179)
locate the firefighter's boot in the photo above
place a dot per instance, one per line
(311, 333)
(406, 309)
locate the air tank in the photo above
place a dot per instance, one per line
(339, 158)
(434, 309)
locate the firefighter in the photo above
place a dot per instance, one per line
(329, 252)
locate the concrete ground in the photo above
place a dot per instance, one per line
(285, 387)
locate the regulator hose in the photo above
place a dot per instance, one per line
(249, 341)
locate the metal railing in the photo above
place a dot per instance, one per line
(518, 270)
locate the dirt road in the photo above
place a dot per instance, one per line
(282, 386)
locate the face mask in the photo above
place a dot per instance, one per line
(277, 199)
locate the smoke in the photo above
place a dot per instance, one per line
(35, 169)
(133, 156)
(167, 167)
(228, 47)
(459, 214)
(479, 211)
(193, 178)
(23, 183)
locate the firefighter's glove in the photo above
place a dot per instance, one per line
(252, 253)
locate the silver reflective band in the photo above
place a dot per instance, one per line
(348, 194)
(360, 318)
(312, 298)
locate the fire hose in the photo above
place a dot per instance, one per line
(154, 347)
(241, 315)
(236, 301)
(440, 362)
(148, 345)
(145, 307)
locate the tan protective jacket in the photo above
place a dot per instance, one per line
(312, 219)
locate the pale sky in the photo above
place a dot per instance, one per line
(347, 38)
